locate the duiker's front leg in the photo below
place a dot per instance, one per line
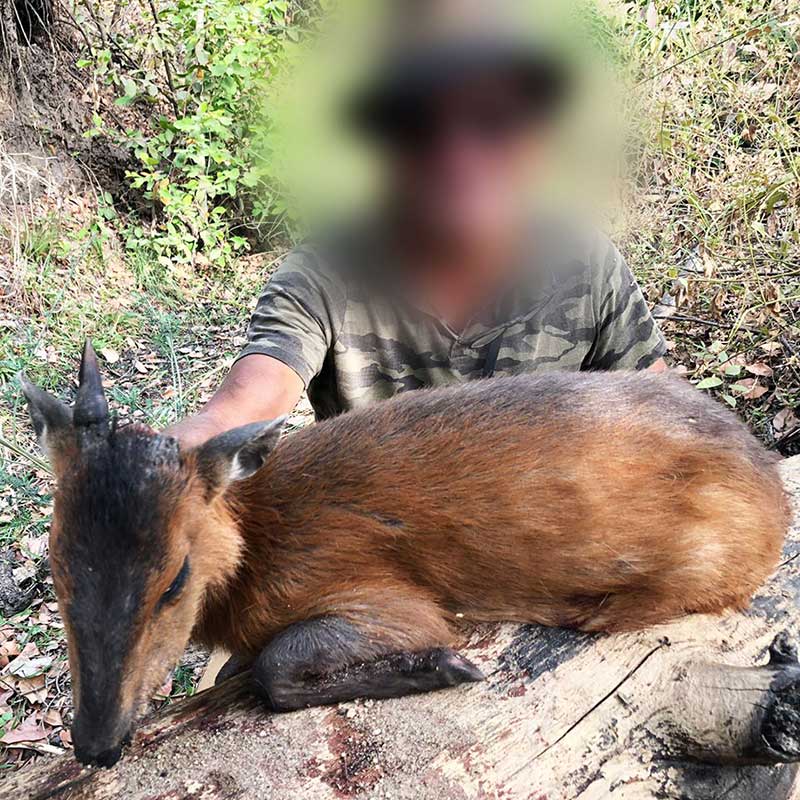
(235, 665)
(331, 660)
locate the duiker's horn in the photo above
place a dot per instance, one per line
(91, 407)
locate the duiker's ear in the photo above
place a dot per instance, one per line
(237, 454)
(52, 420)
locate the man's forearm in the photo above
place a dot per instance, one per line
(257, 388)
(658, 366)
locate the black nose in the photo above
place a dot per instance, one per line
(102, 758)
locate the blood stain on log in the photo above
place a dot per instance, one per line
(517, 691)
(356, 768)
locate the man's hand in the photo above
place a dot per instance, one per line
(658, 366)
(257, 388)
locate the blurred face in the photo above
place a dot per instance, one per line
(462, 162)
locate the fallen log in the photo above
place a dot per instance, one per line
(701, 708)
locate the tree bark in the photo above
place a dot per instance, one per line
(700, 708)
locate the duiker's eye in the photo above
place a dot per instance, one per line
(175, 587)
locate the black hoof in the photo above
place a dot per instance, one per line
(105, 758)
(457, 669)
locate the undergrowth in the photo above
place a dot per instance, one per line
(710, 224)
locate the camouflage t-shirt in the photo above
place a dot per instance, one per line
(330, 315)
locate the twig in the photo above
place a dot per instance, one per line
(710, 322)
(167, 69)
(97, 21)
(23, 453)
(70, 20)
(791, 350)
(115, 46)
(710, 47)
(115, 14)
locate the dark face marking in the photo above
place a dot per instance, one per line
(110, 540)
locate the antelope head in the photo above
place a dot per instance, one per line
(141, 534)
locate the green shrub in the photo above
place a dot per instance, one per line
(207, 67)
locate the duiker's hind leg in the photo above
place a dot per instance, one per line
(332, 659)
(627, 611)
(631, 610)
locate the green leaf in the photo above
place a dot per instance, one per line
(710, 383)
(201, 54)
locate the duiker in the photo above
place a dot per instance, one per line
(334, 562)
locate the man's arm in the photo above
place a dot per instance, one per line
(257, 388)
(291, 330)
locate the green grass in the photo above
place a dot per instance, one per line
(710, 222)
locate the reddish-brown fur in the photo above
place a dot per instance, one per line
(597, 501)
(606, 523)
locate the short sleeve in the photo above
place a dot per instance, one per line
(298, 315)
(626, 335)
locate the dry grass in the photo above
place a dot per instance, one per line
(710, 225)
(712, 213)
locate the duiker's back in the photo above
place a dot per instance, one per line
(602, 501)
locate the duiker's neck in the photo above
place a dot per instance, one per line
(240, 535)
(218, 555)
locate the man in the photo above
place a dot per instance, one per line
(454, 279)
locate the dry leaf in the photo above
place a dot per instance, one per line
(37, 545)
(756, 392)
(29, 730)
(10, 648)
(29, 651)
(718, 303)
(785, 420)
(749, 389)
(759, 368)
(772, 293)
(709, 264)
(32, 689)
(53, 717)
(112, 356)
